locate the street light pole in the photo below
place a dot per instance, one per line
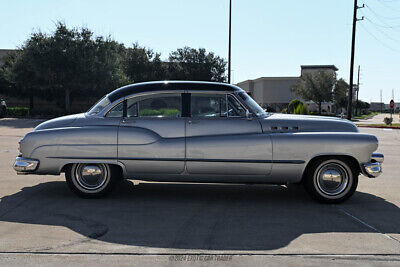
(229, 48)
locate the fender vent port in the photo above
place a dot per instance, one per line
(295, 128)
(285, 128)
(274, 128)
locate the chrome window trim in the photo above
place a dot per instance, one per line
(226, 93)
(116, 102)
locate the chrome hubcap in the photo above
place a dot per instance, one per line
(91, 176)
(332, 179)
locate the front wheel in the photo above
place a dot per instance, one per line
(91, 180)
(331, 180)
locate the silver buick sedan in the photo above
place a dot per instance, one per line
(177, 131)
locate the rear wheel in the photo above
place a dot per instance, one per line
(91, 180)
(331, 180)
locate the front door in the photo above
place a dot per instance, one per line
(151, 136)
(221, 140)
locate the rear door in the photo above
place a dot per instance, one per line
(151, 136)
(221, 140)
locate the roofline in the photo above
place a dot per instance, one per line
(271, 78)
(155, 86)
(319, 67)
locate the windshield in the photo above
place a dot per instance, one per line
(99, 106)
(251, 104)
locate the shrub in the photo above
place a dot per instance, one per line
(17, 112)
(293, 105)
(301, 109)
(388, 121)
(284, 110)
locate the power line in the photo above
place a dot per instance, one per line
(382, 32)
(378, 40)
(384, 3)
(384, 26)
(378, 15)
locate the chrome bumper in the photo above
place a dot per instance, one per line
(374, 168)
(24, 165)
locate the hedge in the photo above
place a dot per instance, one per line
(17, 112)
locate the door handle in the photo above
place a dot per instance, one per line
(192, 122)
(128, 121)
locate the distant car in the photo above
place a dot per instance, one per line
(198, 132)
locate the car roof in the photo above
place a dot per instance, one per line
(170, 85)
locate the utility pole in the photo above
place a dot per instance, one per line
(230, 35)
(381, 101)
(353, 43)
(358, 88)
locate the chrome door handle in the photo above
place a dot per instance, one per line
(127, 121)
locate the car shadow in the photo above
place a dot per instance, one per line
(197, 216)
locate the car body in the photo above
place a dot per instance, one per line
(176, 131)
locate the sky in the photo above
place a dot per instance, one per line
(269, 38)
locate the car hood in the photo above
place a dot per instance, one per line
(60, 122)
(306, 123)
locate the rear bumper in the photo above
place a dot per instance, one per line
(25, 165)
(373, 168)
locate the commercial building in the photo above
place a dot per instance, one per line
(276, 92)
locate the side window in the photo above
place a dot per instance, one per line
(116, 112)
(208, 105)
(235, 109)
(157, 105)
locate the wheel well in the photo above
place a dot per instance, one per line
(350, 159)
(116, 167)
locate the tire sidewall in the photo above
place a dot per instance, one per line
(313, 188)
(74, 185)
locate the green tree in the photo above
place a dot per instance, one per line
(142, 64)
(340, 93)
(196, 64)
(316, 87)
(68, 63)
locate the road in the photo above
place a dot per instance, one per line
(43, 223)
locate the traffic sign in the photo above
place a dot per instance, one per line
(392, 104)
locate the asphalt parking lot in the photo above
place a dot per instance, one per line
(43, 223)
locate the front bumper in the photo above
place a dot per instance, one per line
(373, 168)
(25, 165)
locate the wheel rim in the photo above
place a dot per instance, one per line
(91, 176)
(332, 179)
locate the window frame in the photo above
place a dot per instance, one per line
(125, 99)
(226, 103)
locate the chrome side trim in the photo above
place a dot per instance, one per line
(189, 159)
(25, 165)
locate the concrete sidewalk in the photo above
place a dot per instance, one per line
(378, 119)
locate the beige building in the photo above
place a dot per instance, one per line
(276, 93)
